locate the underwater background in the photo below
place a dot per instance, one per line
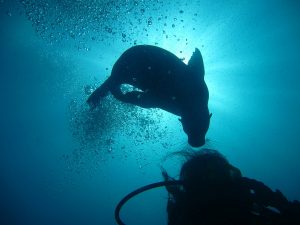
(61, 163)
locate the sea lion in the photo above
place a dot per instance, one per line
(163, 81)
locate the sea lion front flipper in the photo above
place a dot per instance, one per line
(148, 99)
(196, 63)
(132, 97)
(140, 98)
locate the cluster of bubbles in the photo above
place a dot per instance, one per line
(104, 132)
(104, 21)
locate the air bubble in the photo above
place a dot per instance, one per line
(88, 89)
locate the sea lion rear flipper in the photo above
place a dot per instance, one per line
(99, 93)
(196, 63)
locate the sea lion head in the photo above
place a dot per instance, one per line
(195, 125)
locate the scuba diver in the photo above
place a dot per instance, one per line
(211, 191)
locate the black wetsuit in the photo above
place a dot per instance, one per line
(244, 202)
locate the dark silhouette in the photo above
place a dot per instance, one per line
(211, 191)
(165, 82)
(215, 193)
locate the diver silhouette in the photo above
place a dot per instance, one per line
(216, 193)
(211, 191)
(162, 81)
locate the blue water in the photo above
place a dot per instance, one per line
(62, 164)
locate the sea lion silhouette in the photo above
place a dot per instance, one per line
(165, 82)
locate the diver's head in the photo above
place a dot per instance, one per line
(195, 125)
(207, 168)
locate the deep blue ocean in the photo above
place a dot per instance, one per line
(61, 163)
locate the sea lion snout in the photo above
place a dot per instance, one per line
(196, 141)
(196, 126)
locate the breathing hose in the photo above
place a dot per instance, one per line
(138, 191)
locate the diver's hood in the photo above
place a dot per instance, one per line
(140, 190)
